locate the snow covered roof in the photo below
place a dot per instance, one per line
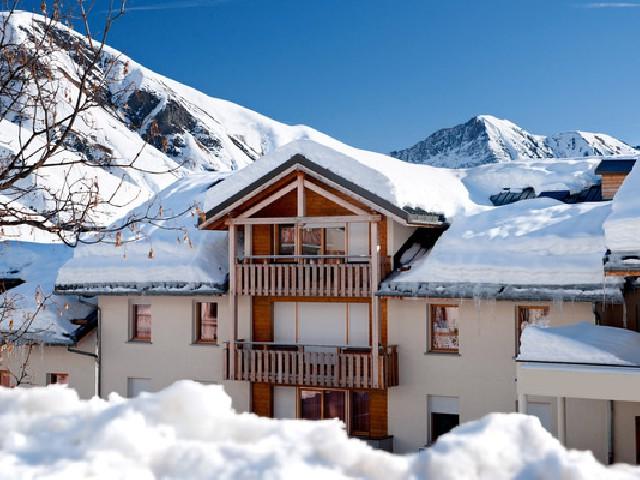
(37, 264)
(389, 183)
(169, 256)
(580, 343)
(538, 248)
(622, 227)
(393, 185)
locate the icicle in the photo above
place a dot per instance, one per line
(118, 239)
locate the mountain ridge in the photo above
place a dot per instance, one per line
(488, 139)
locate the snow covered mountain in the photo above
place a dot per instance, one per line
(487, 139)
(181, 129)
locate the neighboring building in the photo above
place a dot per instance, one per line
(393, 296)
(46, 339)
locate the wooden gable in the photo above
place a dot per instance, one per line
(282, 200)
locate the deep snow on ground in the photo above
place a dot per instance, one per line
(190, 431)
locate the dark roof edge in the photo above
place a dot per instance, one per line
(305, 162)
(587, 292)
(156, 288)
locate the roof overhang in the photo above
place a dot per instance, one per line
(299, 162)
(142, 289)
(574, 293)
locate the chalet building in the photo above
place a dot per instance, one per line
(351, 285)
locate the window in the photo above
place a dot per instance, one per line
(311, 241)
(529, 316)
(315, 240)
(360, 417)
(335, 240)
(442, 423)
(443, 415)
(57, 379)
(206, 325)
(5, 378)
(322, 404)
(443, 328)
(286, 239)
(141, 324)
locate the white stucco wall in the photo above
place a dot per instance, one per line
(171, 355)
(482, 376)
(56, 359)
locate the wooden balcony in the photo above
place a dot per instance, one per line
(311, 365)
(312, 276)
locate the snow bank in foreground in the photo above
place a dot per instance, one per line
(580, 343)
(190, 431)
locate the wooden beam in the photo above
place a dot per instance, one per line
(334, 198)
(303, 220)
(233, 300)
(300, 185)
(375, 304)
(269, 200)
(622, 273)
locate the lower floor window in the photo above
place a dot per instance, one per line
(360, 416)
(442, 423)
(443, 414)
(350, 407)
(322, 404)
(57, 379)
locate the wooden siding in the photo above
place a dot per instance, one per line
(261, 240)
(317, 205)
(384, 321)
(383, 241)
(286, 206)
(262, 399)
(610, 184)
(262, 319)
(379, 413)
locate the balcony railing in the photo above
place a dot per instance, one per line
(317, 275)
(311, 365)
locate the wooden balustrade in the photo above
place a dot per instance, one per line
(307, 365)
(315, 280)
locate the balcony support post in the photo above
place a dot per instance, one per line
(233, 300)
(375, 305)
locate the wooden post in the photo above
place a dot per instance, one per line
(301, 208)
(375, 304)
(233, 300)
(247, 240)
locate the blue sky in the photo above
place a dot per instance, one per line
(382, 74)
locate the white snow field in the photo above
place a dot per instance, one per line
(190, 431)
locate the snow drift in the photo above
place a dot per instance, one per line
(190, 431)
